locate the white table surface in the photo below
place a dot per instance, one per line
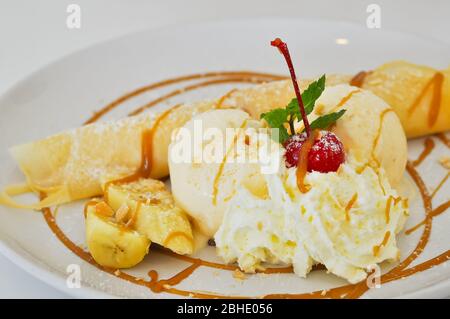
(34, 33)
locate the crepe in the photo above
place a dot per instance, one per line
(73, 164)
(70, 165)
(419, 95)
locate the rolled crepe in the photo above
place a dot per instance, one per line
(71, 165)
(419, 95)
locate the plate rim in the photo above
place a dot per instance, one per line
(57, 280)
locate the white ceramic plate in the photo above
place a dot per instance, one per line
(65, 93)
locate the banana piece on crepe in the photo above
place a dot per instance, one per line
(120, 229)
(111, 243)
(148, 207)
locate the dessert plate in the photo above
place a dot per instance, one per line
(69, 91)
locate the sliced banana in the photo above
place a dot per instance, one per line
(112, 244)
(148, 207)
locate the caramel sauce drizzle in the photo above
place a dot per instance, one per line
(436, 100)
(165, 285)
(435, 212)
(377, 137)
(377, 248)
(341, 103)
(442, 182)
(387, 210)
(145, 168)
(302, 166)
(436, 81)
(359, 78)
(239, 75)
(443, 207)
(398, 200)
(350, 204)
(421, 267)
(104, 210)
(229, 267)
(345, 99)
(373, 158)
(224, 97)
(444, 139)
(192, 87)
(88, 204)
(429, 146)
(222, 165)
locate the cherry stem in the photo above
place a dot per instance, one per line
(282, 46)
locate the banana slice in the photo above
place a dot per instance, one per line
(148, 207)
(110, 243)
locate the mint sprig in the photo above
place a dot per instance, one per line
(276, 119)
(309, 97)
(282, 118)
(326, 120)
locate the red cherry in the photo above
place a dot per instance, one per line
(292, 146)
(326, 154)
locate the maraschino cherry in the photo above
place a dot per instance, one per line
(312, 150)
(326, 154)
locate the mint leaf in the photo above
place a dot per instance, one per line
(326, 120)
(312, 93)
(281, 118)
(294, 109)
(276, 119)
(309, 97)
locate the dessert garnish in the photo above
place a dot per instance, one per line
(326, 155)
(311, 149)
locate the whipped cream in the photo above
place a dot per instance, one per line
(347, 222)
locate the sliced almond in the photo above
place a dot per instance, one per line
(122, 213)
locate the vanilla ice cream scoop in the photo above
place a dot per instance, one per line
(369, 130)
(212, 157)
